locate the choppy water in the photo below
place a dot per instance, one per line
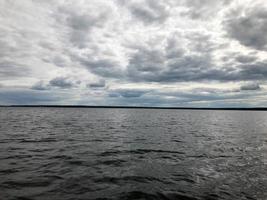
(72, 153)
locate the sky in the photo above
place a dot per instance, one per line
(192, 53)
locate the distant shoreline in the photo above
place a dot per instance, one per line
(133, 107)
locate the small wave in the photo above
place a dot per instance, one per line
(75, 162)
(127, 179)
(23, 198)
(29, 183)
(40, 150)
(18, 156)
(178, 141)
(8, 171)
(97, 140)
(139, 151)
(198, 156)
(158, 195)
(117, 162)
(38, 140)
(176, 196)
(187, 180)
(138, 195)
(63, 157)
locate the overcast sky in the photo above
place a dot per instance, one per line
(204, 53)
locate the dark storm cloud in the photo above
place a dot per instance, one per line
(149, 11)
(249, 27)
(62, 82)
(250, 86)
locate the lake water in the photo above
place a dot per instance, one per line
(90, 153)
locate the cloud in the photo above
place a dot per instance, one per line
(58, 83)
(149, 11)
(254, 71)
(203, 9)
(40, 85)
(250, 86)
(128, 93)
(27, 97)
(102, 67)
(100, 84)
(180, 63)
(173, 63)
(248, 26)
(81, 19)
(246, 59)
(61, 82)
(198, 97)
(12, 69)
(136, 52)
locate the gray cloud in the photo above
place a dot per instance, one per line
(249, 27)
(40, 85)
(172, 64)
(58, 82)
(61, 82)
(81, 21)
(149, 11)
(176, 64)
(100, 84)
(128, 93)
(255, 71)
(12, 69)
(59, 61)
(102, 67)
(195, 97)
(203, 9)
(250, 86)
(158, 46)
(246, 59)
(27, 97)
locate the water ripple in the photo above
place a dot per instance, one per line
(67, 154)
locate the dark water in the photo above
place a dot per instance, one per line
(72, 153)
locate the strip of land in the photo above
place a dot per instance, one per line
(136, 107)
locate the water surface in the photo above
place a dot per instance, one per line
(90, 153)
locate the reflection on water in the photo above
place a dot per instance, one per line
(72, 153)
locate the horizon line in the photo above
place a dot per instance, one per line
(141, 107)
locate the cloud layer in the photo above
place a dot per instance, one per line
(136, 52)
